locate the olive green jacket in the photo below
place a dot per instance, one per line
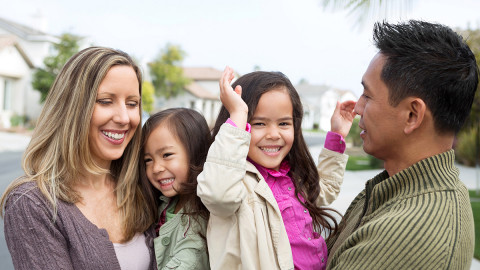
(179, 244)
(419, 218)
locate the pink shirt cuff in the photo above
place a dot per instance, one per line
(248, 128)
(335, 142)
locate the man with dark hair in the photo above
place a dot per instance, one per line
(418, 92)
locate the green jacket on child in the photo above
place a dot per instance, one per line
(179, 244)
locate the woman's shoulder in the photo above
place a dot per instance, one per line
(26, 203)
(28, 198)
(26, 191)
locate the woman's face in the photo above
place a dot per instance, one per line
(116, 115)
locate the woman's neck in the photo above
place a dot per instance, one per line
(95, 182)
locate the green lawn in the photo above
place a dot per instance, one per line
(476, 218)
(356, 163)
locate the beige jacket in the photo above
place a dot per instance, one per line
(245, 229)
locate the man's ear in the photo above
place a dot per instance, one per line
(416, 109)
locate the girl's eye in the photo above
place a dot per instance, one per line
(147, 160)
(258, 124)
(166, 155)
(285, 124)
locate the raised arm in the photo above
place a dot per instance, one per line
(220, 184)
(342, 117)
(332, 161)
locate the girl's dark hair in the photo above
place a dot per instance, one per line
(302, 167)
(192, 131)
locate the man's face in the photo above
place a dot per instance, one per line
(382, 128)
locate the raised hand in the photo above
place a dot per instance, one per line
(232, 99)
(342, 117)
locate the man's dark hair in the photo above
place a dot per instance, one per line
(432, 62)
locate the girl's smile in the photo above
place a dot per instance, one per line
(271, 150)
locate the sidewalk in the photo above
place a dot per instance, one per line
(13, 141)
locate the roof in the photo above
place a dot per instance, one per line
(11, 40)
(199, 74)
(202, 73)
(306, 89)
(198, 91)
(26, 32)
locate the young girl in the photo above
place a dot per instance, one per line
(175, 144)
(262, 188)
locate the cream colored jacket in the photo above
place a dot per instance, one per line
(245, 229)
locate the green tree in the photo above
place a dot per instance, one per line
(147, 96)
(167, 73)
(468, 147)
(473, 40)
(43, 77)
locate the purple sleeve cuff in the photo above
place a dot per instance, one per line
(335, 142)
(248, 128)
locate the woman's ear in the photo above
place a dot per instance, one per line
(416, 109)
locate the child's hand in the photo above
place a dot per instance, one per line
(342, 117)
(232, 99)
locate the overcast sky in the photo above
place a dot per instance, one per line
(297, 37)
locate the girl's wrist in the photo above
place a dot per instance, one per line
(239, 118)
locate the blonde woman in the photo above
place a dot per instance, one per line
(80, 204)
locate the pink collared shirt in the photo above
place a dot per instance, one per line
(309, 250)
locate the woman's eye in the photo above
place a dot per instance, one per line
(104, 101)
(147, 160)
(132, 104)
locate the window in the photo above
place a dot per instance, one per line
(7, 94)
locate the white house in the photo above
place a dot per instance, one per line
(15, 70)
(22, 48)
(202, 94)
(319, 102)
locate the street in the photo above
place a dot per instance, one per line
(10, 168)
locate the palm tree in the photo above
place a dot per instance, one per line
(364, 9)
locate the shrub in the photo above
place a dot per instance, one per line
(466, 147)
(17, 120)
(354, 134)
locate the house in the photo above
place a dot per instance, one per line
(202, 94)
(15, 70)
(22, 49)
(319, 102)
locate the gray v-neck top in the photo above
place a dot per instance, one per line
(71, 242)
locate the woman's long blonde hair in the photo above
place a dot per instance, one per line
(59, 153)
